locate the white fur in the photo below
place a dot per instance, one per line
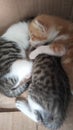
(37, 42)
(18, 33)
(46, 50)
(52, 33)
(28, 108)
(62, 37)
(33, 105)
(23, 107)
(21, 69)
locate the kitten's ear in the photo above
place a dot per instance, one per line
(38, 24)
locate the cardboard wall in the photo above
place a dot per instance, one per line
(12, 11)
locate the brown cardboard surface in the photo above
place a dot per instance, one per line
(12, 11)
(18, 121)
(8, 104)
(15, 121)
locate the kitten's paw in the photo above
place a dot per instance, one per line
(59, 50)
(36, 52)
(38, 116)
(32, 55)
(20, 104)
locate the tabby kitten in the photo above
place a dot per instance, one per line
(15, 69)
(48, 93)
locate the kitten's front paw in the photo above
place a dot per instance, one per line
(59, 50)
(36, 52)
(20, 104)
(32, 55)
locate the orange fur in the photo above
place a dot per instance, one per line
(43, 26)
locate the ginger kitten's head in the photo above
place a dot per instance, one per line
(45, 28)
(42, 29)
(38, 33)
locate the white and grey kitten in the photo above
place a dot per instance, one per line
(48, 93)
(15, 69)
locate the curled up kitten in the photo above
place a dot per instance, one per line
(48, 93)
(15, 69)
(56, 32)
(45, 28)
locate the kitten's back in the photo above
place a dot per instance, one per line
(48, 74)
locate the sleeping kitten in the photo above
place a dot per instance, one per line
(15, 69)
(48, 93)
(46, 28)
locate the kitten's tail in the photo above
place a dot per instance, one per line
(18, 91)
(9, 91)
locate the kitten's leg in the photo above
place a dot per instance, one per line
(56, 48)
(52, 49)
(24, 107)
(7, 87)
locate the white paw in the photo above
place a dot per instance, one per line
(20, 104)
(62, 52)
(57, 51)
(32, 55)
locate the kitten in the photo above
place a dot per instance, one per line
(45, 28)
(48, 93)
(59, 32)
(15, 69)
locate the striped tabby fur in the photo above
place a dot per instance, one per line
(49, 93)
(13, 62)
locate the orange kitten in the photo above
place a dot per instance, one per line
(45, 28)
